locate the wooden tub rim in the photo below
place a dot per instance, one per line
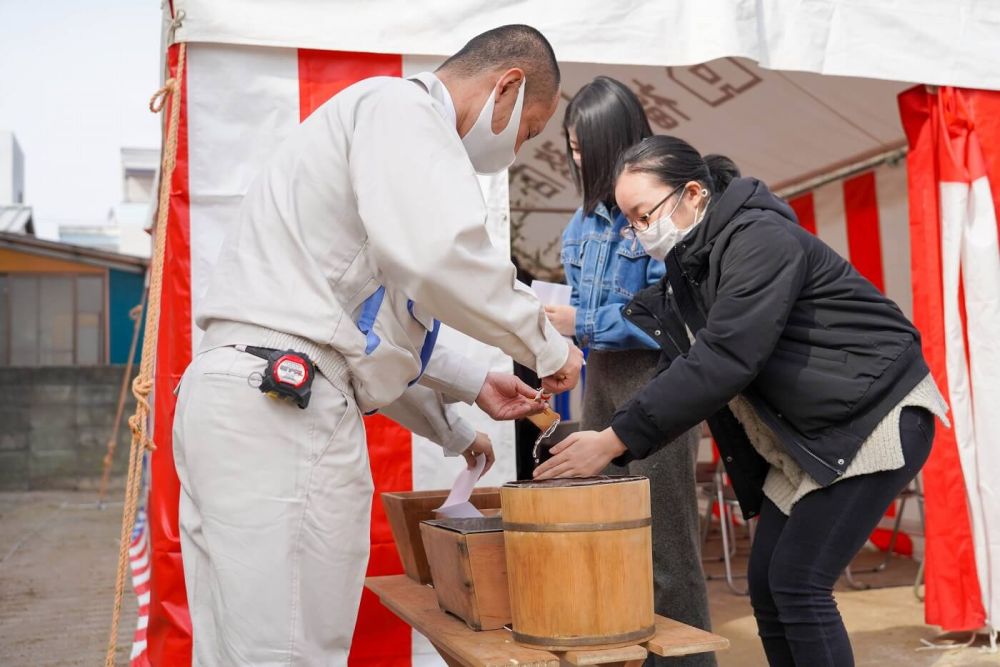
(511, 527)
(633, 637)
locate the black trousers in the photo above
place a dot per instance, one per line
(796, 560)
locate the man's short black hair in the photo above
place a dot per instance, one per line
(506, 47)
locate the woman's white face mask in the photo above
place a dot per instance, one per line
(663, 234)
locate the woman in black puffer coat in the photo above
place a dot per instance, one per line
(813, 383)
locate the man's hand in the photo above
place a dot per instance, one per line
(582, 454)
(481, 445)
(566, 377)
(504, 397)
(563, 318)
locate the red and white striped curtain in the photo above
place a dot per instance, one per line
(864, 218)
(926, 235)
(954, 192)
(238, 103)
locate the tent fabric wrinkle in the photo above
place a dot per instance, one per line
(945, 43)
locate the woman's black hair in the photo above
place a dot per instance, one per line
(607, 118)
(675, 162)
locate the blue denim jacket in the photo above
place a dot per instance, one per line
(605, 270)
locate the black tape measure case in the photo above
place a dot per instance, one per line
(289, 374)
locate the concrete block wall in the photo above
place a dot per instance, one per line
(55, 423)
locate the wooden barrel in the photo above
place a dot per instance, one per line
(579, 562)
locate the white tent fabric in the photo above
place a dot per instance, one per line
(923, 41)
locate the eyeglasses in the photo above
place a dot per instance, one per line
(641, 223)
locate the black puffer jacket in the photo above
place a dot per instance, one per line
(784, 320)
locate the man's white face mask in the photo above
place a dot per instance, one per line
(662, 234)
(490, 152)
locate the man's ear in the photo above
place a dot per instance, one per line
(510, 82)
(506, 96)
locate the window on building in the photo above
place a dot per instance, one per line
(52, 319)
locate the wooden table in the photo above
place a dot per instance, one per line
(417, 605)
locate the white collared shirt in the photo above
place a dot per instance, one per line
(439, 92)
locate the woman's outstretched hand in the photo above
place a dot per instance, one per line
(582, 454)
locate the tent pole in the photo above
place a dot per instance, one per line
(789, 190)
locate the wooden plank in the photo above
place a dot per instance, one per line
(417, 605)
(606, 656)
(449, 659)
(674, 638)
(488, 566)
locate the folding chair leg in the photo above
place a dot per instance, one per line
(732, 526)
(856, 585)
(895, 535)
(920, 504)
(919, 581)
(728, 555)
(707, 522)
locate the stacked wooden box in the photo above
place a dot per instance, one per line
(569, 564)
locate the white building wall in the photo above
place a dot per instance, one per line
(11, 169)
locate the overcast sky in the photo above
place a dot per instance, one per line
(75, 81)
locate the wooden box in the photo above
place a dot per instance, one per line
(406, 509)
(469, 569)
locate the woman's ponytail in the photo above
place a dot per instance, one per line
(722, 170)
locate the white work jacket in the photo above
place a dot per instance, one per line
(366, 226)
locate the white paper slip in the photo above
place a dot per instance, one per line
(457, 505)
(464, 510)
(552, 294)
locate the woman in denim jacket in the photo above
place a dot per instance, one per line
(605, 270)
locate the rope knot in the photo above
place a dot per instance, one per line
(175, 23)
(141, 388)
(159, 98)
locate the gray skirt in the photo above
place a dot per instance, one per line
(613, 378)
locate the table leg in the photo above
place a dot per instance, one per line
(449, 659)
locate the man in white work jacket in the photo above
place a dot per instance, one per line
(365, 230)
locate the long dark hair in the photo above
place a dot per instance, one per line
(607, 118)
(675, 162)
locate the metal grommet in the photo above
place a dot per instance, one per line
(729, 459)
(657, 332)
(840, 462)
(628, 312)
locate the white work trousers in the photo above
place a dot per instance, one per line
(274, 516)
